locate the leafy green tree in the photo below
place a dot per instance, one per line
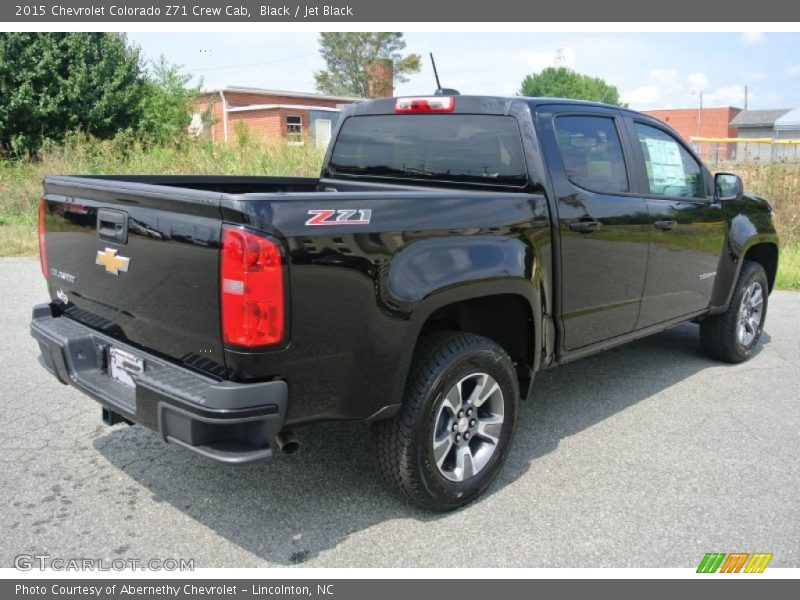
(347, 56)
(54, 83)
(561, 82)
(167, 103)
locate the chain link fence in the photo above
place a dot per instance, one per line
(716, 151)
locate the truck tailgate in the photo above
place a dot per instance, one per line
(138, 262)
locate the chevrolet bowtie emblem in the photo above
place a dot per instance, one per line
(114, 264)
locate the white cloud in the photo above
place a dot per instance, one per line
(665, 86)
(699, 81)
(539, 61)
(645, 96)
(753, 38)
(793, 71)
(730, 95)
(669, 88)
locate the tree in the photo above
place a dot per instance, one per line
(561, 82)
(168, 102)
(54, 83)
(348, 55)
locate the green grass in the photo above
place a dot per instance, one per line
(21, 180)
(780, 185)
(789, 269)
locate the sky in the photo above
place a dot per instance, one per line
(651, 70)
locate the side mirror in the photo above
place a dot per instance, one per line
(728, 186)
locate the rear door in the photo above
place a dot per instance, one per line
(687, 228)
(602, 223)
(138, 262)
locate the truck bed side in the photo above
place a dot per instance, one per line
(358, 293)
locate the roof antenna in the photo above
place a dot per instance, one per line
(440, 91)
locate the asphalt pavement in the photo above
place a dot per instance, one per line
(649, 455)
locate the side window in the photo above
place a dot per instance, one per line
(294, 129)
(592, 153)
(671, 170)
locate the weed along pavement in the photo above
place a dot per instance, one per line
(648, 455)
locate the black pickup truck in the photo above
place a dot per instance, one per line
(452, 247)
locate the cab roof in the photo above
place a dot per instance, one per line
(476, 104)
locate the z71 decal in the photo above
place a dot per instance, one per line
(344, 216)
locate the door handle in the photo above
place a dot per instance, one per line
(112, 225)
(585, 226)
(665, 225)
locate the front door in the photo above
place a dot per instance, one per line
(687, 228)
(603, 226)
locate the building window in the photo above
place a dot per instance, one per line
(294, 130)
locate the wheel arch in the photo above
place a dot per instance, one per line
(765, 254)
(760, 248)
(506, 312)
(463, 283)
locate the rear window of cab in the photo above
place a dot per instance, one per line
(476, 149)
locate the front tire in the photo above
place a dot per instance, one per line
(455, 428)
(733, 336)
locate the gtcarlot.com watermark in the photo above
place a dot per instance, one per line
(43, 562)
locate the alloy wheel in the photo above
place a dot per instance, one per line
(751, 310)
(468, 425)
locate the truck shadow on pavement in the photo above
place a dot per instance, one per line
(292, 508)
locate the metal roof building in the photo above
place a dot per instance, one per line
(759, 125)
(789, 122)
(749, 119)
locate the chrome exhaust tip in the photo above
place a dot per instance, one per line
(286, 442)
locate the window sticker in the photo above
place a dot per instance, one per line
(665, 163)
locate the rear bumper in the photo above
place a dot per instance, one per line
(227, 422)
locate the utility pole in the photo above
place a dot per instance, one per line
(745, 97)
(699, 113)
(698, 144)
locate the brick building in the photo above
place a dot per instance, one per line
(706, 122)
(296, 117)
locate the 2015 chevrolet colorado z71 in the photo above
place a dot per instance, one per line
(453, 246)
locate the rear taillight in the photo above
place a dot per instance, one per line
(42, 238)
(253, 312)
(425, 105)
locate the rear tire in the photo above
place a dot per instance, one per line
(455, 428)
(733, 336)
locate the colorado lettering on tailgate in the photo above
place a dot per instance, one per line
(344, 216)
